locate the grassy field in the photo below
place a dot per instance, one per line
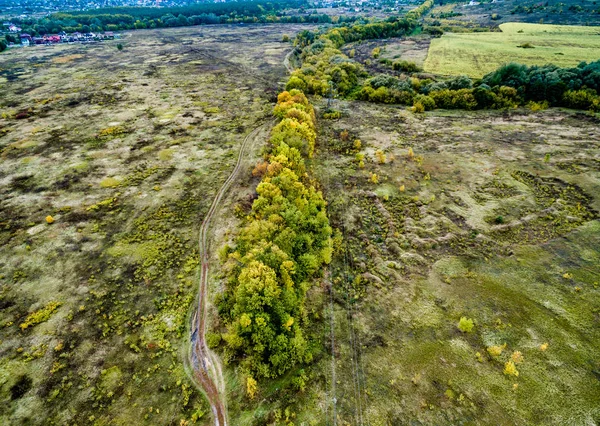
(494, 218)
(476, 54)
(491, 14)
(109, 161)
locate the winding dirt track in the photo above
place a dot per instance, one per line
(206, 364)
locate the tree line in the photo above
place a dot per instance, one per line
(131, 18)
(325, 67)
(283, 243)
(509, 86)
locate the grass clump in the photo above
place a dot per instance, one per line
(496, 351)
(109, 182)
(510, 369)
(40, 316)
(466, 325)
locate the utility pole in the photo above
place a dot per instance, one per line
(330, 95)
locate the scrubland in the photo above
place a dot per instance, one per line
(110, 159)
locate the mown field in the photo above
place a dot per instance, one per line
(476, 54)
(109, 161)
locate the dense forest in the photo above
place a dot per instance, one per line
(129, 18)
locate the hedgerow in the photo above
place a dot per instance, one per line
(283, 244)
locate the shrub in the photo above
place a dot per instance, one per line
(496, 350)
(517, 357)
(251, 387)
(406, 66)
(40, 316)
(332, 115)
(119, 47)
(49, 219)
(454, 99)
(460, 82)
(213, 340)
(581, 99)
(510, 369)
(465, 324)
(285, 38)
(427, 102)
(418, 108)
(109, 182)
(295, 82)
(538, 106)
(376, 52)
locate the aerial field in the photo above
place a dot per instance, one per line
(109, 161)
(476, 54)
(488, 216)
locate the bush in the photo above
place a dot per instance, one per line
(496, 350)
(538, 106)
(406, 66)
(510, 369)
(213, 340)
(332, 115)
(465, 325)
(40, 316)
(418, 108)
(460, 82)
(427, 102)
(454, 99)
(295, 82)
(581, 99)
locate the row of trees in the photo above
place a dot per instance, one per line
(325, 67)
(323, 62)
(130, 18)
(508, 87)
(283, 244)
(118, 22)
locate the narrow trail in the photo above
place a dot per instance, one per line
(286, 61)
(205, 363)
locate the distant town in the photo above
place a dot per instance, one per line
(16, 38)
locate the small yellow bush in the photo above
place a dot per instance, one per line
(510, 369)
(40, 316)
(251, 387)
(517, 357)
(109, 182)
(49, 219)
(465, 325)
(496, 350)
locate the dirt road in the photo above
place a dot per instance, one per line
(205, 363)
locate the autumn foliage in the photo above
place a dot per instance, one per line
(282, 246)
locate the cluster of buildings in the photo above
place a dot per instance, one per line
(62, 37)
(27, 39)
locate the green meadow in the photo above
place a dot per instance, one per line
(476, 54)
